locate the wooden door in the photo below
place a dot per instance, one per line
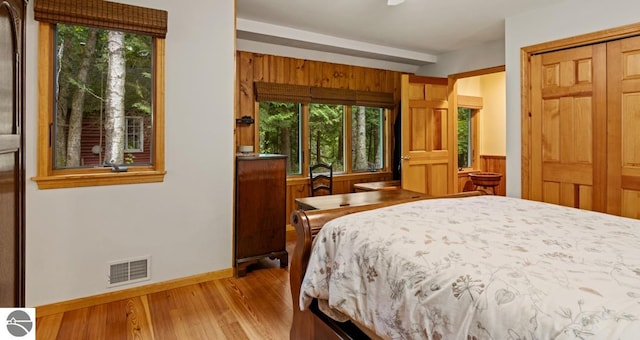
(623, 172)
(568, 127)
(11, 155)
(428, 132)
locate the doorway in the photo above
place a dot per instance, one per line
(481, 144)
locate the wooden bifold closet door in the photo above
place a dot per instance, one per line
(623, 127)
(585, 118)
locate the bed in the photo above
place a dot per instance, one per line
(477, 267)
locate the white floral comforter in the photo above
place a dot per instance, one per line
(485, 267)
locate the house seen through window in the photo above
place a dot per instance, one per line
(134, 138)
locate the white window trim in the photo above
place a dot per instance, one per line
(140, 133)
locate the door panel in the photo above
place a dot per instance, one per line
(567, 126)
(623, 64)
(427, 136)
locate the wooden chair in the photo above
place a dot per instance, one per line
(321, 179)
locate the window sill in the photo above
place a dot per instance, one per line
(467, 171)
(98, 179)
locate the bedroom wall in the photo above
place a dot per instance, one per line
(567, 19)
(185, 223)
(493, 118)
(491, 87)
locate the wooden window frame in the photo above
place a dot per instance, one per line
(50, 178)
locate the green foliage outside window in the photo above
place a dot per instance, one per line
(464, 138)
(367, 137)
(280, 132)
(101, 77)
(326, 136)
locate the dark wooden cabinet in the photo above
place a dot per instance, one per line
(12, 174)
(260, 210)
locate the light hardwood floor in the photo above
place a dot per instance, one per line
(257, 306)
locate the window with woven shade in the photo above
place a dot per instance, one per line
(342, 127)
(101, 67)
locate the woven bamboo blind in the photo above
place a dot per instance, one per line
(375, 99)
(325, 95)
(321, 95)
(282, 93)
(103, 14)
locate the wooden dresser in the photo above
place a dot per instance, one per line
(260, 210)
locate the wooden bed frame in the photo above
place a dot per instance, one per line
(311, 323)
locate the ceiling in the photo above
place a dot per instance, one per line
(414, 32)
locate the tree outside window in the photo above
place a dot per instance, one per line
(101, 76)
(98, 63)
(279, 125)
(367, 138)
(326, 135)
(325, 130)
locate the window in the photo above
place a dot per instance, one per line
(134, 138)
(101, 74)
(310, 125)
(279, 125)
(467, 138)
(465, 147)
(326, 135)
(367, 138)
(280, 130)
(342, 127)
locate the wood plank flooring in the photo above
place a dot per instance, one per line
(257, 306)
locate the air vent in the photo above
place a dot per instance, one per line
(129, 271)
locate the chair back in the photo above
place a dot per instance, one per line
(321, 179)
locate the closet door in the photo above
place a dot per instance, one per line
(568, 127)
(623, 68)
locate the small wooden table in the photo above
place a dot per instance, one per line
(355, 199)
(374, 186)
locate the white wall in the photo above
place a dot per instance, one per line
(185, 223)
(469, 59)
(567, 19)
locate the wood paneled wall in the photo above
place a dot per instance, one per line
(252, 67)
(490, 164)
